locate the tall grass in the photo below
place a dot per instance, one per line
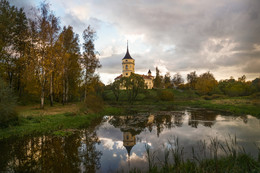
(214, 156)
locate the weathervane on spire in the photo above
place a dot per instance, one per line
(127, 45)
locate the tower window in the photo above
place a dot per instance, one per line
(126, 74)
(126, 60)
(126, 66)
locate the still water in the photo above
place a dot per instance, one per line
(118, 143)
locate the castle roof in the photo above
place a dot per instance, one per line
(118, 77)
(127, 55)
(147, 77)
(128, 148)
(144, 76)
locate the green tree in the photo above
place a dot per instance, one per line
(192, 79)
(134, 84)
(158, 80)
(7, 105)
(256, 84)
(234, 88)
(115, 87)
(13, 38)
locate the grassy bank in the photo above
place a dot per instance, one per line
(213, 156)
(148, 101)
(33, 120)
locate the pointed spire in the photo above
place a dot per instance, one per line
(127, 55)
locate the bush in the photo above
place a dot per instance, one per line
(256, 95)
(165, 95)
(93, 104)
(7, 105)
(150, 95)
(214, 96)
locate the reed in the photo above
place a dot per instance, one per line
(214, 156)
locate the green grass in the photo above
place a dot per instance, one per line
(213, 156)
(148, 101)
(42, 124)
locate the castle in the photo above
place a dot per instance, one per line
(128, 67)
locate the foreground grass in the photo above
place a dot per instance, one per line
(214, 156)
(240, 164)
(36, 121)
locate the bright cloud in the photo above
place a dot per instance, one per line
(177, 36)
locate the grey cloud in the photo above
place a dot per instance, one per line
(111, 64)
(188, 25)
(252, 67)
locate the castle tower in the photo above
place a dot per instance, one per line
(149, 73)
(128, 141)
(128, 64)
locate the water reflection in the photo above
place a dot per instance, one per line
(118, 142)
(74, 153)
(198, 117)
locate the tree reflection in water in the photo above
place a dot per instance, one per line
(207, 118)
(51, 154)
(78, 152)
(90, 157)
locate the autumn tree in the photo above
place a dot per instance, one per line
(158, 80)
(40, 60)
(52, 31)
(242, 78)
(177, 80)
(205, 83)
(192, 79)
(167, 80)
(89, 59)
(68, 57)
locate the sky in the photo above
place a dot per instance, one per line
(221, 36)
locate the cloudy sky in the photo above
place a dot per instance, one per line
(222, 36)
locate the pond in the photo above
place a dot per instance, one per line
(121, 143)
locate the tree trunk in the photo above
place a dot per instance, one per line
(85, 94)
(67, 90)
(10, 75)
(64, 90)
(51, 89)
(42, 98)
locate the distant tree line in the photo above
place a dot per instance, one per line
(206, 84)
(41, 60)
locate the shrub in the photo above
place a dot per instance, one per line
(165, 95)
(7, 105)
(214, 96)
(93, 104)
(256, 95)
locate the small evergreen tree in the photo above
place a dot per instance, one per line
(7, 105)
(158, 81)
